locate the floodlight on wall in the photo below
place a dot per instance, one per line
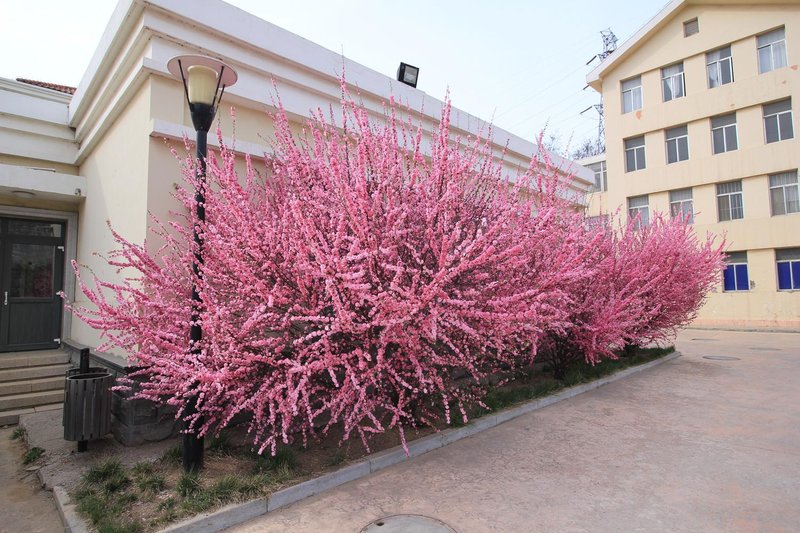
(408, 74)
(204, 82)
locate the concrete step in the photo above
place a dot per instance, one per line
(37, 358)
(11, 416)
(33, 372)
(32, 385)
(30, 399)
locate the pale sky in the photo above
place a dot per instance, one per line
(519, 63)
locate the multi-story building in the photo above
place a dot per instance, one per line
(699, 119)
(73, 159)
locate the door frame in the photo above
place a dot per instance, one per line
(70, 249)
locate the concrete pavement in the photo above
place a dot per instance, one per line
(24, 506)
(691, 445)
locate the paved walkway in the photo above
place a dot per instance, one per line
(24, 506)
(692, 445)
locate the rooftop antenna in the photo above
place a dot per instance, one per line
(609, 45)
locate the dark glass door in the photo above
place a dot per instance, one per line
(31, 275)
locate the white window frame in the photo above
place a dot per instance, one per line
(716, 65)
(683, 207)
(724, 131)
(674, 81)
(642, 210)
(632, 92)
(776, 49)
(783, 187)
(638, 157)
(794, 283)
(729, 195)
(782, 136)
(600, 176)
(676, 139)
(733, 263)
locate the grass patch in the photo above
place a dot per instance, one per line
(173, 456)
(109, 492)
(18, 433)
(147, 478)
(582, 371)
(282, 463)
(188, 484)
(519, 391)
(32, 455)
(109, 475)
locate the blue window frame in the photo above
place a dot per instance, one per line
(735, 277)
(788, 262)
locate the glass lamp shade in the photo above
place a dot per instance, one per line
(201, 84)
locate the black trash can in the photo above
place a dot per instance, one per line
(87, 404)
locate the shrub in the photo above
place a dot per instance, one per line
(353, 283)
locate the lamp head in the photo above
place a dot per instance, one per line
(204, 82)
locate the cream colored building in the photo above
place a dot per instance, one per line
(699, 109)
(70, 163)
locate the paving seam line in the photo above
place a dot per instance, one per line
(237, 513)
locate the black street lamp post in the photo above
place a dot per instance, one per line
(204, 82)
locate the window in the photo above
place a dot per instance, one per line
(597, 222)
(677, 144)
(672, 82)
(599, 176)
(783, 193)
(771, 50)
(638, 206)
(730, 205)
(735, 277)
(634, 154)
(788, 261)
(778, 121)
(719, 66)
(632, 94)
(680, 204)
(723, 133)
(690, 27)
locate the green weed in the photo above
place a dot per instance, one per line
(172, 455)
(188, 484)
(32, 455)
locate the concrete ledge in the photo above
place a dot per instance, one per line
(233, 514)
(68, 511)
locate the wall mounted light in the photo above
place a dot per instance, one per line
(408, 74)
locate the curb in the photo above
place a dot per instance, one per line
(69, 514)
(238, 513)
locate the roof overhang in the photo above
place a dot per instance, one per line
(143, 35)
(662, 18)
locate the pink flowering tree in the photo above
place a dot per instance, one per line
(364, 283)
(672, 271)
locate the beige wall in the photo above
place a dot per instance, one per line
(117, 174)
(758, 233)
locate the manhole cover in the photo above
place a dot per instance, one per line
(765, 349)
(407, 523)
(720, 358)
(704, 339)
